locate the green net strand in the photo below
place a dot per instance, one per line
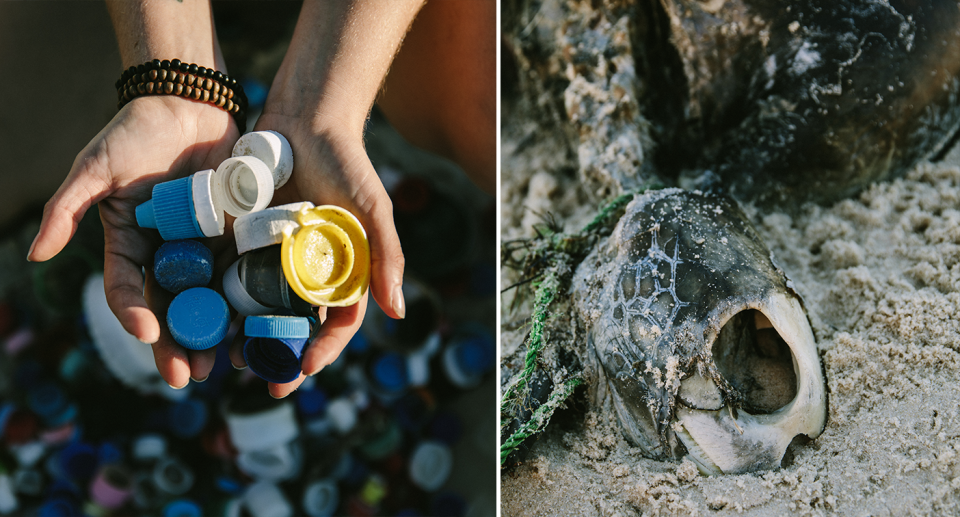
(539, 419)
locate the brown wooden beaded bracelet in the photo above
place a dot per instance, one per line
(184, 80)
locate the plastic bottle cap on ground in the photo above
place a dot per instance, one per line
(326, 259)
(265, 499)
(180, 265)
(172, 476)
(320, 498)
(430, 465)
(171, 210)
(182, 508)
(311, 402)
(187, 418)
(111, 487)
(198, 318)
(238, 297)
(263, 429)
(274, 360)
(278, 327)
(343, 414)
(275, 464)
(206, 204)
(390, 372)
(149, 447)
(243, 184)
(272, 149)
(475, 356)
(78, 460)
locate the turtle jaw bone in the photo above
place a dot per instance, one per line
(734, 441)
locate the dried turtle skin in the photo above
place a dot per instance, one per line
(809, 100)
(698, 337)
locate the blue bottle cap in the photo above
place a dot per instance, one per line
(173, 212)
(311, 402)
(229, 485)
(109, 453)
(475, 356)
(198, 318)
(182, 508)
(389, 371)
(180, 265)
(59, 507)
(277, 327)
(187, 418)
(78, 460)
(274, 360)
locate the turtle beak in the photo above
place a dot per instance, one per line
(754, 437)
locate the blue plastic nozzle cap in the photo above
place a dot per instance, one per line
(311, 402)
(390, 372)
(182, 508)
(198, 318)
(145, 217)
(78, 460)
(187, 418)
(277, 327)
(180, 265)
(173, 211)
(274, 360)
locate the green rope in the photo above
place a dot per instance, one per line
(546, 293)
(539, 419)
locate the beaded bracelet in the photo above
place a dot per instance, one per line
(184, 80)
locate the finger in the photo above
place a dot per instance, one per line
(123, 283)
(279, 391)
(236, 348)
(63, 212)
(172, 360)
(335, 332)
(201, 363)
(386, 255)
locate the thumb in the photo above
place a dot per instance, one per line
(386, 255)
(63, 212)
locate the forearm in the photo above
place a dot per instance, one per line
(340, 53)
(166, 29)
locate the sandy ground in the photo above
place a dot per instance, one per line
(880, 278)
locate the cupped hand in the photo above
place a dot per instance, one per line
(331, 167)
(151, 140)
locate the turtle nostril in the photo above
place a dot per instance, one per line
(756, 360)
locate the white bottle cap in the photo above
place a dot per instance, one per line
(455, 373)
(272, 149)
(206, 204)
(430, 465)
(263, 430)
(243, 184)
(128, 359)
(8, 499)
(278, 463)
(148, 447)
(265, 228)
(320, 498)
(418, 368)
(29, 453)
(265, 499)
(343, 414)
(238, 297)
(172, 476)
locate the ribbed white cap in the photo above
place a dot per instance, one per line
(272, 149)
(206, 205)
(243, 184)
(265, 228)
(430, 465)
(274, 464)
(265, 499)
(263, 430)
(238, 297)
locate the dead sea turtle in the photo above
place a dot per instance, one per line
(684, 323)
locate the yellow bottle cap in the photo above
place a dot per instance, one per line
(326, 256)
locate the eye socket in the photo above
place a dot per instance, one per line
(756, 360)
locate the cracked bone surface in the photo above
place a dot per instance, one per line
(698, 337)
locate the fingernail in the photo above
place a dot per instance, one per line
(396, 301)
(235, 367)
(314, 373)
(32, 245)
(200, 380)
(181, 387)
